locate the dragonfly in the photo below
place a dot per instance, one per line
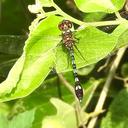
(68, 40)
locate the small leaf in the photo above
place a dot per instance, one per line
(65, 117)
(107, 6)
(23, 120)
(117, 116)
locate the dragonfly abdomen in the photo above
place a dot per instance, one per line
(78, 87)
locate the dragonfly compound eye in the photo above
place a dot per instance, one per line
(65, 25)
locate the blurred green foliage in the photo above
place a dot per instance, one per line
(40, 53)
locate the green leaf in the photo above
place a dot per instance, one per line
(121, 34)
(35, 63)
(95, 16)
(23, 120)
(117, 116)
(123, 39)
(42, 52)
(65, 117)
(108, 6)
(93, 45)
(13, 77)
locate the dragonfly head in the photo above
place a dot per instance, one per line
(65, 25)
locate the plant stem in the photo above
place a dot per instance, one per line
(79, 114)
(101, 23)
(66, 15)
(118, 15)
(8, 62)
(70, 88)
(106, 86)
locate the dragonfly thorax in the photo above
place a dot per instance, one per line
(68, 39)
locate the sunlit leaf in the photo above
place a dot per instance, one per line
(107, 6)
(23, 120)
(43, 51)
(65, 117)
(35, 63)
